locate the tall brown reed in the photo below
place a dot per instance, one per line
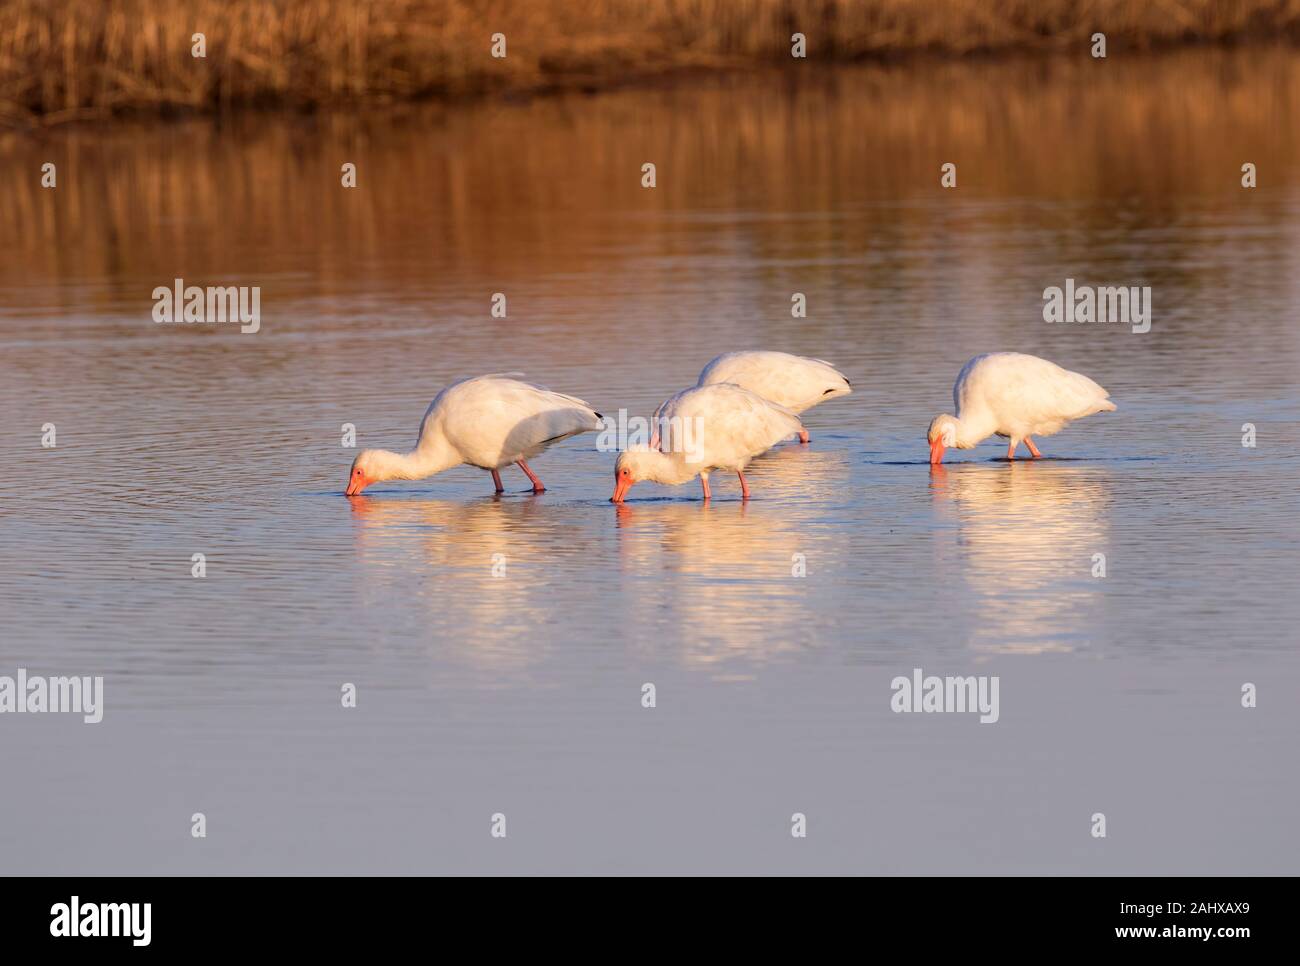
(62, 59)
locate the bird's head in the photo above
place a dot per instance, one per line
(634, 464)
(941, 435)
(367, 468)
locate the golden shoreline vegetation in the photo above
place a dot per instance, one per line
(64, 60)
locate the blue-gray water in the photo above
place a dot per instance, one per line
(521, 694)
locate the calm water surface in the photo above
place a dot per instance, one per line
(521, 694)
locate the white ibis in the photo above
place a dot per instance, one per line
(795, 382)
(485, 421)
(1016, 396)
(720, 427)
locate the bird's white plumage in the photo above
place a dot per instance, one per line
(492, 421)
(795, 382)
(722, 426)
(1015, 395)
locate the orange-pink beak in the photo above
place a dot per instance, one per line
(356, 483)
(936, 452)
(621, 485)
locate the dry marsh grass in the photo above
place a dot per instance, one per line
(71, 59)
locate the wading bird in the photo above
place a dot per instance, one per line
(795, 382)
(719, 427)
(486, 421)
(1016, 396)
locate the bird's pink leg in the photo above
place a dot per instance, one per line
(1032, 448)
(803, 438)
(704, 481)
(744, 487)
(1011, 450)
(496, 479)
(537, 484)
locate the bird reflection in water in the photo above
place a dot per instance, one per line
(1023, 547)
(483, 568)
(724, 571)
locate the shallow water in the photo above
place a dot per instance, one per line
(521, 694)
